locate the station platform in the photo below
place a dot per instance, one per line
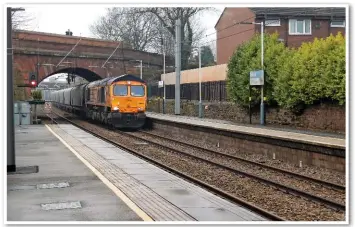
(63, 189)
(82, 178)
(308, 137)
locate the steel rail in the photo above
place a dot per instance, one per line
(291, 190)
(325, 183)
(256, 209)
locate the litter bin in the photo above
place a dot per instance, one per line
(16, 114)
(25, 113)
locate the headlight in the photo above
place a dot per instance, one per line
(116, 108)
(140, 109)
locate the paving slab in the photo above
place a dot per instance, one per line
(62, 183)
(162, 195)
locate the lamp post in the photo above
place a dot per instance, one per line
(164, 78)
(141, 67)
(262, 107)
(11, 162)
(199, 79)
(164, 65)
(262, 110)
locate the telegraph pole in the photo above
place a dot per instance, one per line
(199, 79)
(177, 65)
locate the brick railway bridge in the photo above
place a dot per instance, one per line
(86, 60)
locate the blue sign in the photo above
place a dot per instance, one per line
(257, 77)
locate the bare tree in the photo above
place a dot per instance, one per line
(168, 16)
(126, 25)
(21, 20)
(152, 28)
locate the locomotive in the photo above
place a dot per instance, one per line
(119, 101)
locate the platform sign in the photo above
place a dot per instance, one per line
(161, 83)
(257, 77)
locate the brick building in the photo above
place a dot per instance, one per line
(294, 26)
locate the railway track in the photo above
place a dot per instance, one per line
(296, 175)
(288, 189)
(269, 215)
(217, 190)
(334, 188)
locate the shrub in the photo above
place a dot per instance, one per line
(314, 72)
(37, 94)
(293, 77)
(246, 58)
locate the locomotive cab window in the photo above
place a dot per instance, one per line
(120, 90)
(137, 90)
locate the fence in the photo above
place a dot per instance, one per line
(211, 91)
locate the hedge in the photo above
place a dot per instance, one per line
(311, 73)
(306, 75)
(246, 58)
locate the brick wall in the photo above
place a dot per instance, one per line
(320, 28)
(282, 153)
(323, 117)
(62, 43)
(87, 58)
(229, 37)
(226, 46)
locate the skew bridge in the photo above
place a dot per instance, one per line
(42, 53)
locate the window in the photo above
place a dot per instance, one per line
(137, 91)
(120, 90)
(337, 23)
(272, 22)
(88, 94)
(102, 94)
(300, 27)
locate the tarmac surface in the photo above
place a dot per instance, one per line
(63, 189)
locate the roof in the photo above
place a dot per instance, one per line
(295, 11)
(111, 80)
(220, 16)
(305, 11)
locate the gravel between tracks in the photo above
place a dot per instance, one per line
(312, 171)
(269, 198)
(284, 179)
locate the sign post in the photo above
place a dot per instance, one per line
(256, 79)
(160, 85)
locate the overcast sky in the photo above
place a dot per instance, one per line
(60, 18)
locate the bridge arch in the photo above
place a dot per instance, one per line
(82, 72)
(42, 52)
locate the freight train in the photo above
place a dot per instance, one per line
(119, 101)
